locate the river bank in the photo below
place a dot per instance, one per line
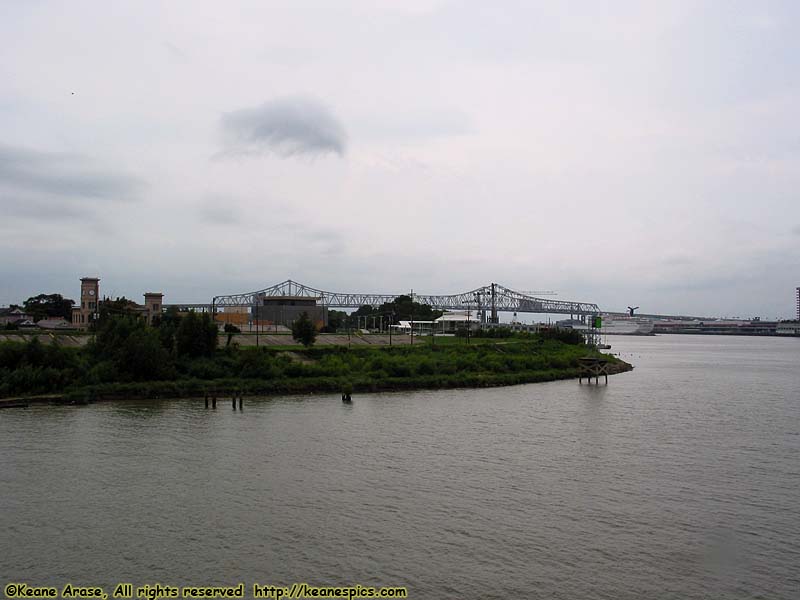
(68, 375)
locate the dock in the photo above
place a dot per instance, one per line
(591, 366)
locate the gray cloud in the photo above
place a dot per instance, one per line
(678, 260)
(796, 230)
(285, 126)
(35, 183)
(219, 212)
(16, 205)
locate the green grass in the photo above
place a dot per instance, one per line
(28, 369)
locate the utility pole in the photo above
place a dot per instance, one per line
(412, 316)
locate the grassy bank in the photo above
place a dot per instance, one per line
(81, 374)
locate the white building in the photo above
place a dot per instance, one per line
(450, 322)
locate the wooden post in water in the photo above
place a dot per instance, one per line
(592, 367)
(241, 401)
(206, 400)
(213, 402)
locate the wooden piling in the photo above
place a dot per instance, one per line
(593, 367)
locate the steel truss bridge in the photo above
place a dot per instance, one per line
(492, 298)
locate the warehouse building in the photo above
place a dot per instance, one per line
(285, 310)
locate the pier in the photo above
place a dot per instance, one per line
(593, 367)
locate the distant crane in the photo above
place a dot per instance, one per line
(631, 309)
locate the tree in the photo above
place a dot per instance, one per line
(44, 306)
(142, 355)
(304, 330)
(133, 348)
(167, 325)
(402, 308)
(231, 329)
(336, 319)
(112, 332)
(120, 306)
(196, 336)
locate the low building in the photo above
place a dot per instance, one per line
(418, 327)
(13, 316)
(54, 323)
(453, 321)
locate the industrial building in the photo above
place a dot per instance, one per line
(268, 311)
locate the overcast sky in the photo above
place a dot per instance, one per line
(643, 153)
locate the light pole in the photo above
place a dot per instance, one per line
(412, 316)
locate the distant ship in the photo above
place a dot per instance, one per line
(616, 325)
(613, 325)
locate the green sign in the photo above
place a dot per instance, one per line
(597, 323)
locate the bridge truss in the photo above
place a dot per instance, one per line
(492, 298)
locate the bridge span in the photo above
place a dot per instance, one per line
(489, 299)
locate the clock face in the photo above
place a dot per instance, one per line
(91, 292)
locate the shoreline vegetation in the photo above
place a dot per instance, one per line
(126, 359)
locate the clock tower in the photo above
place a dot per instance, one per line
(89, 308)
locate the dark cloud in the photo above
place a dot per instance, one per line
(58, 185)
(285, 126)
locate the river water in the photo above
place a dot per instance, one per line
(678, 480)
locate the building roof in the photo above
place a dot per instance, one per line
(408, 323)
(59, 323)
(457, 316)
